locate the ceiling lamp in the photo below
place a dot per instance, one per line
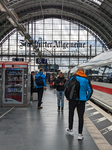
(27, 41)
(23, 28)
(12, 21)
(21, 33)
(14, 14)
(2, 9)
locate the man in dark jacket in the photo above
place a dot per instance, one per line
(55, 78)
(84, 95)
(60, 81)
(32, 84)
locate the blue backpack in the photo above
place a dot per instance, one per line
(39, 80)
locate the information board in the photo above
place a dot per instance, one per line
(50, 68)
(17, 59)
(13, 86)
(42, 66)
(53, 68)
(41, 61)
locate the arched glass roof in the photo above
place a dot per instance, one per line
(74, 43)
(98, 2)
(94, 14)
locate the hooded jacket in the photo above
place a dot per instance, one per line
(43, 77)
(85, 86)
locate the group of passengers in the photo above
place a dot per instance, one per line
(85, 93)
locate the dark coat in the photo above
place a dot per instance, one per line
(32, 81)
(58, 81)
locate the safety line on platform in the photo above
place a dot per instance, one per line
(98, 138)
(6, 112)
(105, 114)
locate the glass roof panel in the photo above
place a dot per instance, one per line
(98, 2)
(10, 2)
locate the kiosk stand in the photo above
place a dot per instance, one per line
(1, 82)
(16, 84)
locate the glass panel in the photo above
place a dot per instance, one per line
(47, 26)
(51, 31)
(13, 86)
(48, 21)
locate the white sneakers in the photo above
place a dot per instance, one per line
(80, 137)
(69, 131)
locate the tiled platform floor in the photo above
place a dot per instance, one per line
(32, 129)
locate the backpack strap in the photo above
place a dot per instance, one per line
(73, 77)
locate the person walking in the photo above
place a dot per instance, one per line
(32, 85)
(40, 83)
(54, 80)
(60, 81)
(85, 92)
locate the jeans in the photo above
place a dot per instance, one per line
(80, 110)
(60, 98)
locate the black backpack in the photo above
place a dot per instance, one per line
(39, 81)
(72, 88)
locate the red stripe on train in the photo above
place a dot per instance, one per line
(102, 89)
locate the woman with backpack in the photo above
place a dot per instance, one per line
(40, 83)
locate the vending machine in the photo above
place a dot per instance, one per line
(1, 82)
(16, 79)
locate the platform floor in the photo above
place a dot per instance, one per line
(32, 129)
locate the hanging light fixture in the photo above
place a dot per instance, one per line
(14, 14)
(21, 33)
(12, 21)
(2, 9)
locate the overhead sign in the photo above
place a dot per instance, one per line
(50, 68)
(45, 67)
(41, 61)
(17, 59)
(55, 44)
(53, 67)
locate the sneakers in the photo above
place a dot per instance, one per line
(39, 107)
(69, 131)
(58, 109)
(61, 109)
(80, 137)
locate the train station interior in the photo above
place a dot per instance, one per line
(59, 37)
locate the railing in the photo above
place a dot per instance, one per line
(45, 55)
